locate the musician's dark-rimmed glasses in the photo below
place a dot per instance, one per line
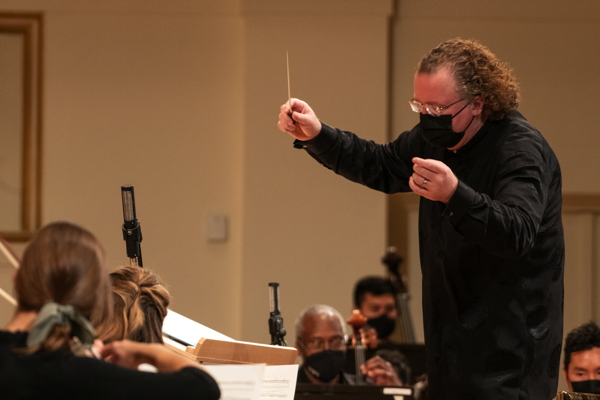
(319, 344)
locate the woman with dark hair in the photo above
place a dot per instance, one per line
(140, 307)
(46, 349)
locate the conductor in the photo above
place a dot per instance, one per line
(490, 229)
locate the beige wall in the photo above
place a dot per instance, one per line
(180, 99)
(304, 227)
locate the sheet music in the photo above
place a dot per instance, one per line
(238, 382)
(187, 331)
(255, 381)
(279, 382)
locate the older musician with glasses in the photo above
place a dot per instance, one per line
(321, 342)
(490, 229)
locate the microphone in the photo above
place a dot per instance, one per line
(132, 232)
(275, 320)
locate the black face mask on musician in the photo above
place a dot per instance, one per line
(383, 325)
(591, 386)
(438, 132)
(325, 365)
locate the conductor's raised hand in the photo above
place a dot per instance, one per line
(301, 121)
(433, 180)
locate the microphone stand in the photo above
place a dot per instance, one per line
(275, 319)
(132, 232)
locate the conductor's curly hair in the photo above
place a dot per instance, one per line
(477, 72)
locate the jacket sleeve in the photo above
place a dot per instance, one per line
(507, 221)
(383, 167)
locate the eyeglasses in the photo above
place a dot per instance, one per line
(421, 108)
(335, 343)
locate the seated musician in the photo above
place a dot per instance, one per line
(321, 342)
(46, 349)
(140, 307)
(375, 297)
(582, 359)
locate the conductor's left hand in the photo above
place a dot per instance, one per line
(433, 180)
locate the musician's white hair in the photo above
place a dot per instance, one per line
(317, 309)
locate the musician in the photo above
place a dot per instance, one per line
(375, 297)
(46, 349)
(582, 359)
(321, 343)
(140, 307)
(490, 231)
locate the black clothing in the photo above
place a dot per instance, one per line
(62, 375)
(492, 257)
(345, 378)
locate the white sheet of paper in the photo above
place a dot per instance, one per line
(279, 382)
(397, 391)
(238, 382)
(188, 331)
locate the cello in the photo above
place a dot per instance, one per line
(357, 321)
(392, 261)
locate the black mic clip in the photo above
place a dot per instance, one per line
(132, 231)
(275, 319)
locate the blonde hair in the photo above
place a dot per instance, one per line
(63, 263)
(140, 306)
(477, 72)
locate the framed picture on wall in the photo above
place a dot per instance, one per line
(20, 124)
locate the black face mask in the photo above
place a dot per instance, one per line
(383, 325)
(591, 386)
(438, 132)
(325, 365)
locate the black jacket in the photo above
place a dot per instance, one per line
(492, 257)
